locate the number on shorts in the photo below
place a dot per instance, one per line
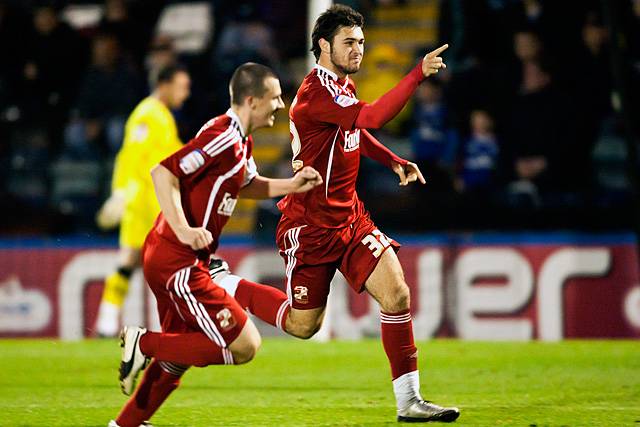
(376, 242)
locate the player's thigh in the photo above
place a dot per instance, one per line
(386, 283)
(310, 255)
(205, 306)
(366, 251)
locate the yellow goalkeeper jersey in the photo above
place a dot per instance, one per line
(150, 136)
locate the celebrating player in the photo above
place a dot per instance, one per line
(150, 136)
(197, 188)
(328, 228)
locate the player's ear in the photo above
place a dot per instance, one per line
(251, 101)
(325, 46)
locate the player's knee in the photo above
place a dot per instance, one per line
(398, 299)
(248, 351)
(303, 330)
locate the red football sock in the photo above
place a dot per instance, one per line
(265, 302)
(193, 348)
(397, 339)
(155, 387)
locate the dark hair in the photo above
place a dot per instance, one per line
(248, 80)
(166, 73)
(328, 24)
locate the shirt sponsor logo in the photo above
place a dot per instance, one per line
(227, 205)
(351, 140)
(192, 162)
(345, 101)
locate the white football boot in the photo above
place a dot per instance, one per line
(132, 361)
(218, 269)
(422, 411)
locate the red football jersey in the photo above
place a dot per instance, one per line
(323, 135)
(212, 168)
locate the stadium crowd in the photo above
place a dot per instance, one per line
(519, 132)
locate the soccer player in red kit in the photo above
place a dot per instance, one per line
(197, 188)
(328, 228)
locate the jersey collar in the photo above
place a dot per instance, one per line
(333, 75)
(235, 118)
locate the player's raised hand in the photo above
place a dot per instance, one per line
(432, 62)
(306, 179)
(195, 237)
(408, 173)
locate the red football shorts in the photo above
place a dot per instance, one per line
(188, 300)
(312, 255)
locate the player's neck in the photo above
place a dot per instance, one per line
(244, 115)
(157, 94)
(326, 63)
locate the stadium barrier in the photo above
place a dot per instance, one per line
(480, 286)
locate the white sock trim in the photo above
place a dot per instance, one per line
(230, 283)
(407, 389)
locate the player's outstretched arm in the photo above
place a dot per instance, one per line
(379, 112)
(375, 150)
(167, 188)
(265, 188)
(372, 148)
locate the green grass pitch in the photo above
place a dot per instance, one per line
(302, 383)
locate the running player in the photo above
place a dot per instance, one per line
(328, 228)
(150, 136)
(197, 188)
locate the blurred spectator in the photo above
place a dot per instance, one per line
(480, 155)
(131, 36)
(108, 92)
(433, 140)
(527, 46)
(245, 38)
(161, 54)
(541, 137)
(55, 57)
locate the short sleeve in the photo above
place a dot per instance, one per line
(186, 161)
(327, 104)
(250, 172)
(209, 151)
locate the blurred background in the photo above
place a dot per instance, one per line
(531, 130)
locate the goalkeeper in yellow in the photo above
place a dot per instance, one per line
(150, 136)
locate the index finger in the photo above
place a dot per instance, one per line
(438, 51)
(416, 169)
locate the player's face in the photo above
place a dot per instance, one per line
(264, 109)
(180, 89)
(347, 49)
